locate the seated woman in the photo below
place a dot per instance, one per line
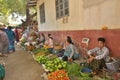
(63, 46)
(98, 56)
(49, 43)
(70, 50)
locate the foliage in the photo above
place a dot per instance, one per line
(8, 7)
(73, 70)
(12, 7)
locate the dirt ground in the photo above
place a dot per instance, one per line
(21, 66)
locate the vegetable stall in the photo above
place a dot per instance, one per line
(57, 69)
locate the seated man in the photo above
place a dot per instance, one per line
(98, 56)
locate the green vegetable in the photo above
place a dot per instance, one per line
(42, 59)
(73, 69)
(55, 64)
(35, 51)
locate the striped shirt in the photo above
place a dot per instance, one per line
(100, 53)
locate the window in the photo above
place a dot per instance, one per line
(62, 8)
(42, 13)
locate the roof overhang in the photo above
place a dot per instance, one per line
(31, 3)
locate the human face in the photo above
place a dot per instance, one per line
(101, 44)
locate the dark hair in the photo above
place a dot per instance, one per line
(51, 38)
(69, 40)
(68, 37)
(9, 27)
(49, 35)
(101, 39)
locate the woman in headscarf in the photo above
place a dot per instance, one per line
(4, 43)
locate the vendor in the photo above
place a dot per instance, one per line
(98, 56)
(49, 43)
(50, 40)
(71, 51)
(63, 46)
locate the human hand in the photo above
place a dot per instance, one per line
(69, 59)
(90, 59)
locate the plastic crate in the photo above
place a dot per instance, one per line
(113, 66)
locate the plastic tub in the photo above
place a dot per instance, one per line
(85, 72)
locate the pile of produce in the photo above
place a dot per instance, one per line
(22, 41)
(55, 64)
(46, 46)
(58, 75)
(35, 51)
(73, 69)
(40, 50)
(52, 56)
(41, 59)
(40, 54)
(30, 47)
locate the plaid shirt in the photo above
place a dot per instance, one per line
(100, 53)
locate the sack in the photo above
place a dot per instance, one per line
(2, 72)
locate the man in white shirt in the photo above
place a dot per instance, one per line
(99, 55)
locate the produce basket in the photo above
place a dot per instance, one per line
(113, 66)
(85, 72)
